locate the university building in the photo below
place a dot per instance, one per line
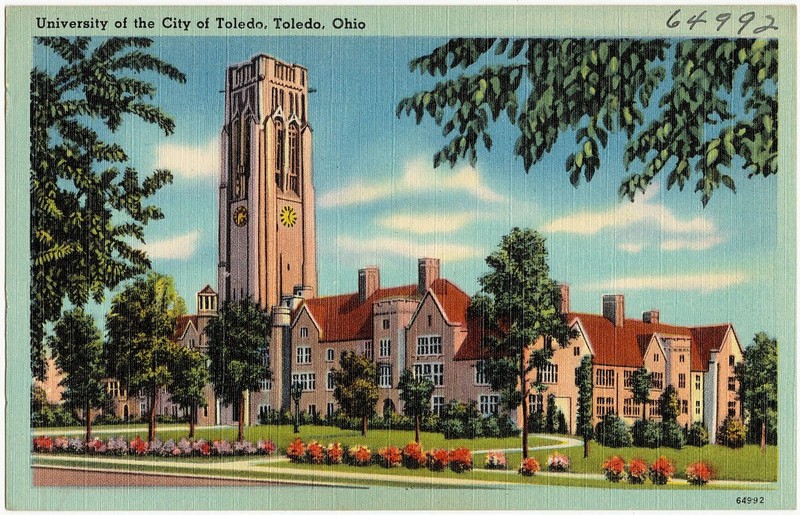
(267, 251)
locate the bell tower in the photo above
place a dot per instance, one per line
(267, 233)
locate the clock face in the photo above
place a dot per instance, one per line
(240, 216)
(288, 216)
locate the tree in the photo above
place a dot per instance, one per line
(189, 378)
(140, 327)
(668, 404)
(237, 342)
(356, 387)
(85, 212)
(518, 306)
(599, 87)
(641, 381)
(583, 377)
(77, 346)
(415, 392)
(758, 389)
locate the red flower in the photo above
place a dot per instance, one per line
(438, 459)
(205, 449)
(614, 468)
(661, 471)
(315, 453)
(413, 456)
(334, 453)
(390, 456)
(296, 450)
(460, 460)
(43, 444)
(529, 467)
(138, 446)
(637, 471)
(699, 473)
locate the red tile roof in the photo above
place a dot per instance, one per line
(183, 323)
(706, 339)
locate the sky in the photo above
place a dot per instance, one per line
(381, 202)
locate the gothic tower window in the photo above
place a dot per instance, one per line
(240, 157)
(280, 135)
(294, 158)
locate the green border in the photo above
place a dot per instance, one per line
(581, 20)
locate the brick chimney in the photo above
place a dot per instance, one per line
(650, 317)
(614, 309)
(369, 281)
(428, 272)
(564, 298)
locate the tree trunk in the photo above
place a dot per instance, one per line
(364, 426)
(763, 436)
(88, 422)
(192, 415)
(416, 428)
(241, 417)
(151, 424)
(585, 447)
(524, 391)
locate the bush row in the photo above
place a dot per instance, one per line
(119, 446)
(612, 431)
(660, 471)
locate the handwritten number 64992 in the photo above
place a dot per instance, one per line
(722, 19)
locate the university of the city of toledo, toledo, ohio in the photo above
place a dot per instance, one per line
(267, 252)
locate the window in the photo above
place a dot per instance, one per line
(697, 382)
(307, 381)
(732, 384)
(604, 377)
(266, 383)
(548, 373)
(684, 407)
(263, 410)
(430, 320)
(429, 345)
(657, 380)
(681, 380)
(280, 136)
(548, 342)
(385, 348)
(112, 387)
(697, 407)
(731, 409)
(304, 332)
(655, 358)
(627, 379)
(386, 323)
(681, 358)
(536, 402)
(369, 349)
(330, 384)
(329, 412)
(205, 410)
(731, 360)
(385, 376)
(481, 373)
(629, 408)
(576, 351)
(433, 371)
(329, 355)
(294, 159)
(488, 404)
(312, 410)
(303, 355)
(437, 404)
(655, 409)
(604, 405)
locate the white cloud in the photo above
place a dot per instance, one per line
(681, 282)
(449, 252)
(429, 223)
(189, 161)
(657, 217)
(418, 176)
(178, 247)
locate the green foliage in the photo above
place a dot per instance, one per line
(551, 415)
(584, 379)
(77, 346)
(237, 341)
(758, 388)
(44, 414)
(536, 422)
(355, 385)
(415, 393)
(189, 377)
(452, 428)
(612, 431)
(698, 435)
(87, 207)
(731, 433)
(668, 404)
(461, 420)
(599, 87)
(672, 435)
(641, 380)
(646, 433)
(491, 427)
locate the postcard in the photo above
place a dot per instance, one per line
(391, 258)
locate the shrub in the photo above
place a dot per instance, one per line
(562, 423)
(507, 426)
(496, 460)
(731, 433)
(222, 448)
(43, 444)
(528, 467)
(661, 471)
(699, 473)
(611, 431)
(333, 454)
(390, 457)
(672, 435)
(117, 446)
(451, 428)
(360, 455)
(536, 422)
(413, 456)
(296, 451)
(558, 462)
(168, 449)
(137, 446)
(96, 446)
(267, 447)
(185, 446)
(61, 443)
(460, 460)
(438, 459)
(491, 427)
(614, 469)
(646, 434)
(314, 453)
(637, 471)
(698, 435)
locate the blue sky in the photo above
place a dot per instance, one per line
(379, 200)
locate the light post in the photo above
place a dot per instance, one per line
(297, 392)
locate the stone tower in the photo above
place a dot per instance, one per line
(267, 235)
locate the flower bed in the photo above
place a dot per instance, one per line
(119, 446)
(360, 455)
(614, 469)
(529, 467)
(460, 460)
(390, 457)
(334, 454)
(315, 454)
(557, 462)
(699, 473)
(413, 456)
(438, 459)
(496, 460)
(661, 471)
(637, 471)
(296, 451)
